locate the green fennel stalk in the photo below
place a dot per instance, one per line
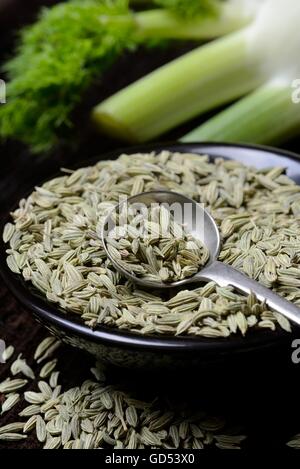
(158, 23)
(266, 116)
(190, 9)
(210, 75)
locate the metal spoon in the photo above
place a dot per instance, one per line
(202, 226)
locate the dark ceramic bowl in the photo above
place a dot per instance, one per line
(132, 350)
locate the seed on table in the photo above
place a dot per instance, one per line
(8, 353)
(10, 385)
(48, 368)
(44, 346)
(12, 436)
(10, 402)
(12, 427)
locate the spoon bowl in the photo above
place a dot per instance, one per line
(195, 219)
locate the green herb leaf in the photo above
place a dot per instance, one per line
(56, 60)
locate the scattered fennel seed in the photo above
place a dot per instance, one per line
(96, 415)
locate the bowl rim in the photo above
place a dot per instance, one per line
(68, 323)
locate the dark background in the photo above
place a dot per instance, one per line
(260, 395)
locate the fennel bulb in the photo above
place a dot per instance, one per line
(258, 64)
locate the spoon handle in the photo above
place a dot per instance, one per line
(225, 275)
